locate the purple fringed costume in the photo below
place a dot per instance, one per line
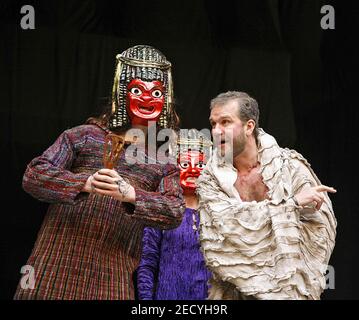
(172, 265)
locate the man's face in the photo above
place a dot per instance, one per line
(227, 128)
(191, 164)
(145, 101)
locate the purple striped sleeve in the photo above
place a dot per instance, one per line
(163, 208)
(147, 271)
(48, 177)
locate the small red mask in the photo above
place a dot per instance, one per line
(191, 164)
(145, 101)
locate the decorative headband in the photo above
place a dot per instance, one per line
(144, 63)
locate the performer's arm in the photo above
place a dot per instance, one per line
(164, 207)
(316, 218)
(147, 272)
(49, 177)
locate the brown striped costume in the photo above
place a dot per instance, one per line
(89, 245)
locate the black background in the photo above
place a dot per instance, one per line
(304, 78)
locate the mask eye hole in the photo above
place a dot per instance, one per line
(184, 165)
(200, 166)
(136, 91)
(157, 93)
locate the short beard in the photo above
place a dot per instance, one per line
(239, 144)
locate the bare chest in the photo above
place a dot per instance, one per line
(251, 186)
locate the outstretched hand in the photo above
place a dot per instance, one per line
(313, 195)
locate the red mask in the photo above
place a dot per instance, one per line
(191, 164)
(145, 101)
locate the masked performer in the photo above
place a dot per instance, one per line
(90, 241)
(172, 266)
(267, 224)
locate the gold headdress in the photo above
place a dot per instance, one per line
(148, 64)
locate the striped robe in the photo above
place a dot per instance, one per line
(89, 245)
(272, 249)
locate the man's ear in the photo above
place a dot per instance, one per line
(251, 124)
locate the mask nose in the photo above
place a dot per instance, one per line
(146, 98)
(193, 169)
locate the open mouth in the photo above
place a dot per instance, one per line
(191, 179)
(146, 109)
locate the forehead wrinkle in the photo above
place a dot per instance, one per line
(222, 116)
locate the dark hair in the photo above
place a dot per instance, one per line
(247, 106)
(104, 118)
